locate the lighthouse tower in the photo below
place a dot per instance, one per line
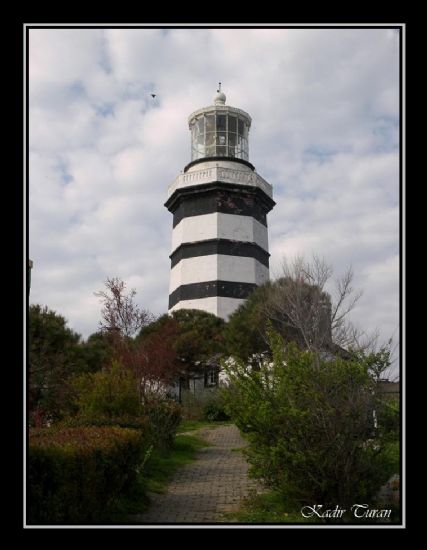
(219, 205)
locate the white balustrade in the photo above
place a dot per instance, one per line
(227, 175)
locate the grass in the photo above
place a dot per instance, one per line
(271, 507)
(191, 425)
(154, 477)
(267, 507)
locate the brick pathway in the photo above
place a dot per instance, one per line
(215, 483)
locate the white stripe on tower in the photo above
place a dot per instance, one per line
(218, 267)
(218, 305)
(220, 226)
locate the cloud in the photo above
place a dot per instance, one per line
(324, 104)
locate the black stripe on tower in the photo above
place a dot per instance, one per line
(221, 159)
(228, 198)
(219, 246)
(225, 289)
(226, 202)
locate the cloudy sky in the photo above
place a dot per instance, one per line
(325, 131)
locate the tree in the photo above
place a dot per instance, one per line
(309, 423)
(153, 358)
(120, 312)
(55, 354)
(244, 334)
(198, 334)
(96, 351)
(176, 346)
(299, 308)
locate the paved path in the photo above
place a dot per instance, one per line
(216, 482)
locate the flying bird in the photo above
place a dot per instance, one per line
(153, 95)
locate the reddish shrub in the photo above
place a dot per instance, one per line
(75, 474)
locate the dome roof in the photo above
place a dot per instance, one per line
(219, 99)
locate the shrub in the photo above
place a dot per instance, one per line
(106, 395)
(75, 474)
(214, 407)
(192, 405)
(310, 427)
(120, 421)
(111, 398)
(164, 417)
(215, 412)
(205, 405)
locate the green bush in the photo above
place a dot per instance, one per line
(215, 412)
(108, 394)
(214, 407)
(205, 405)
(111, 398)
(76, 474)
(164, 417)
(309, 423)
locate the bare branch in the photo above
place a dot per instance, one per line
(120, 313)
(300, 306)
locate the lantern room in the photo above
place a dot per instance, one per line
(219, 131)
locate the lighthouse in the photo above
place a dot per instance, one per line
(219, 205)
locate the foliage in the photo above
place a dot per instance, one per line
(198, 334)
(267, 507)
(299, 308)
(111, 398)
(105, 395)
(270, 507)
(76, 474)
(377, 361)
(153, 360)
(245, 331)
(205, 405)
(54, 356)
(193, 404)
(215, 412)
(120, 421)
(164, 418)
(310, 427)
(392, 457)
(214, 407)
(175, 346)
(293, 308)
(388, 411)
(96, 352)
(158, 470)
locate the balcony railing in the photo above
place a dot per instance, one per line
(218, 173)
